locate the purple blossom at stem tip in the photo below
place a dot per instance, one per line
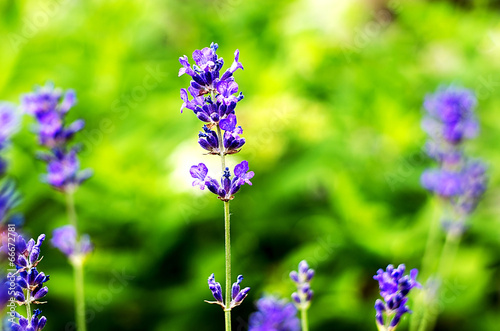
(394, 287)
(302, 297)
(274, 314)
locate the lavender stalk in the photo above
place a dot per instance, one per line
(214, 102)
(49, 106)
(303, 296)
(459, 182)
(29, 288)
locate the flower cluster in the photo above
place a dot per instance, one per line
(29, 282)
(49, 106)
(227, 187)
(302, 280)
(394, 288)
(214, 99)
(214, 102)
(237, 294)
(449, 121)
(274, 315)
(64, 238)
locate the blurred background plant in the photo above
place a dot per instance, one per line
(332, 110)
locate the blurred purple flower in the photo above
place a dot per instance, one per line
(63, 171)
(274, 315)
(49, 106)
(302, 279)
(64, 239)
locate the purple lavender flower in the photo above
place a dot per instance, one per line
(274, 315)
(63, 171)
(205, 73)
(35, 324)
(450, 114)
(64, 239)
(302, 279)
(450, 119)
(237, 294)
(216, 290)
(213, 97)
(394, 288)
(227, 186)
(443, 182)
(29, 282)
(232, 141)
(209, 141)
(49, 106)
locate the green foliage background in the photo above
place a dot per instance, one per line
(333, 102)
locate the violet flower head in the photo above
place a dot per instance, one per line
(450, 114)
(302, 279)
(237, 294)
(216, 290)
(64, 238)
(274, 315)
(394, 288)
(29, 282)
(227, 187)
(213, 97)
(49, 106)
(206, 70)
(63, 171)
(35, 324)
(459, 180)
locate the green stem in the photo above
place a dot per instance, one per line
(428, 265)
(77, 263)
(70, 205)
(227, 238)
(445, 263)
(227, 310)
(79, 295)
(28, 303)
(448, 254)
(303, 319)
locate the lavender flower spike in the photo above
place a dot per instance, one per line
(274, 315)
(29, 282)
(394, 288)
(302, 279)
(49, 106)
